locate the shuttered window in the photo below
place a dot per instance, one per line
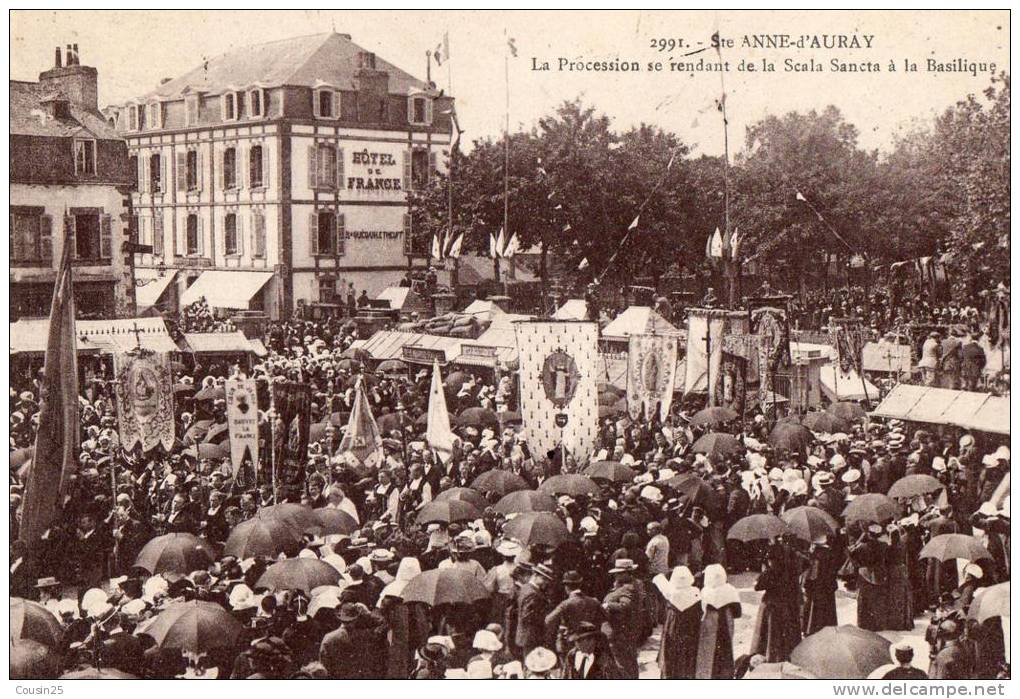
(258, 234)
(230, 234)
(255, 167)
(230, 168)
(157, 234)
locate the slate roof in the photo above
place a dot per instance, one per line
(29, 115)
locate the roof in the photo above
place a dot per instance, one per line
(28, 116)
(212, 343)
(101, 336)
(403, 298)
(845, 386)
(483, 310)
(638, 320)
(225, 289)
(149, 289)
(572, 309)
(887, 357)
(308, 61)
(971, 410)
(501, 332)
(475, 269)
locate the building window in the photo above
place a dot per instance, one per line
(92, 235)
(155, 117)
(191, 110)
(84, 157)
(133, 164)
(322, 167)
(191, 170)
(327, 289)
(134, 123)
(256, 99)
(155, 173)
(419, 168)
(325, 233)
(255, 173)
(192, 240)
(419, 110)
(230, 168)
(230, 246)
(258, 233)
(229, 106)
(31, 235)
(324, 104)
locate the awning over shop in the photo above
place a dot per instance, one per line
(638, 320)
(403, 299)
(96, 336)
(149, 289)
(968, 409)
(572, 309)
(219, 343)
(226, 289)
(389, 344)
(838, 386)
(887, 357)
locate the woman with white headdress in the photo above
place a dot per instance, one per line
(721, 605)
(408, 621)
(678, 649)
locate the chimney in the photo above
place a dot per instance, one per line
(70, 56)
(78, 83)
(56, 57)
(77, 62)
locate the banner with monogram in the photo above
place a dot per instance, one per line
(734, 380)
(145, 399)
(292, 405)
(362, 440)
(768, 320)
(707, 330)
(242, 421)
(559, 401)
(651, 375)
(848, 339)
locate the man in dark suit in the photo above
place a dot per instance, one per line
(903, 656)
(578, 608)
(622, 606)
(216, 527)
(532, 608)
(590, 658)
(954, 661)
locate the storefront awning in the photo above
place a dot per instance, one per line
(838, 386)
(942, 406)
(148, 290)
(224, 289)
(218, 343)
(96, 336)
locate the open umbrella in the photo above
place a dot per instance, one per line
(30, 621)
(469, 495)
(787, 435)
(572, 484)
(693, 490)
(841, 653)
(297, 517)
(445, 586)
(31, 660)
(714, 416)
(532, 528)
(203, 450)
(356, 353)
(779, 671)
(757, 528)
(211, 393)
(945, 547)
(332, 520)
(824, 422)
(448, 511)
(526, 501)
(217, 433)
(183, 389)
(810, 523)
(298, 574)
(498, 481)
(392, 421)
(990, 602)
(510, 417)
(608, 397)
(317, 431)
(911, 486)
(92, 673)
(611, 411)
(456, 381)
(851, 412)
(262, 536)
(177, 552)
(478, 417)
(718, 445)
(871, 508)
(194, 627)
(391, 366)
(610, 471)
(610, 388)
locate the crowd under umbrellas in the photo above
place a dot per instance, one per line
(499, 563)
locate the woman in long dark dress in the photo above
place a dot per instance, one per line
(408, 622)
(900, 607)
(870, 555)
(819, 580)
(678, 649)
(721, 604)
(777, 628)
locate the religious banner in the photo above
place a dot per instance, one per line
(848, 339)
(362, 439)
(734, 383)
(292, 406)
(145, 400)
(706, 332)
(651, 375)
(242, 422)
(438, 434)
(559, 402)
(768, 320)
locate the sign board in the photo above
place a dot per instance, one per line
(561, 419)
(487, 351)
(423, 355)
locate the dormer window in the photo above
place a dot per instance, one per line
(419, 110)
(230, 107)
(191, 110)
(326, 104)
(257, 102)
(155, 116)
(84, 157)
(133, 120)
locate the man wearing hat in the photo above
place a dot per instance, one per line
(569, 614)
(532, 610)
(902, 654)
(830, 499)
(355, 649)
(623, 610)
(587, 659)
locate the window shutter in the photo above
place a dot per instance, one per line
(198, 169)
(157, 234)
(239, 229)
(46, 237)
(223, 170)
(143, 172)
(162, 174)
(69, 232)
(335, 169)
(408, 233)
(407, 170)
(340, 168)
(410, 110)
(223, 107)
(336, 105)
(260, 234)
(105, 237)
(245, 167)
(17, 251)
(341, 234)
(265, 164)
(313, 166)
(313, 233)
(432, 165)
(182, 172)
(428, 111)
(201, 237)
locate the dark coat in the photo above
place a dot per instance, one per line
(678, 649)
(532, 609)
(953, 662)
(623, 612)
(715, 643)
(602, 669)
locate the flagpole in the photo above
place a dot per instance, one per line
(506, 149)
(272, 439)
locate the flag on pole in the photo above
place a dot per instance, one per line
(633, 224)
(436, 252)
(492, 245)
(800, 197)
(715, 244)
(438, 434)
(455, 247)
(735, 243)
(512, 246)
(500, 244)
(442, 51)
(57, 442)
(362, 439)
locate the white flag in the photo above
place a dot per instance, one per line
(800, 197)
(633, 224)
(438, 434)
(455, 248)
(492, 245)
(583, 265)
(512, 246)
(500, 244)
(436, 252)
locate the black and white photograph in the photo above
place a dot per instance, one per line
(476, 344)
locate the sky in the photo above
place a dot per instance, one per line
(133, 50)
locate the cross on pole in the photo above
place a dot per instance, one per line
(138, 334)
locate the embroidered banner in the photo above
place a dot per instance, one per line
(768, 319)
(848, 339)
(242, 422)
(145, 400)
(362, 439)
(292, 404)
(651, 375)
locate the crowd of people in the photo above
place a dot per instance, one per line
(652, 548)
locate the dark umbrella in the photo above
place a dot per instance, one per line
(714, 416)
(779, 671)
(791, 437)
(182, 388)
(31, 660)
(317, 431)
(526, 501)
(194, 627)
(356, 353)
(532, 528)
(610, 471)
(456, 381)
(391, 421)
(262, 536)
(391, 366)
(945, 547)
(824, 422)
(810, 523)
(332, 520)
(509, 416)
(610, 411)
(478, 417)
(572, 484)
(217, 433)
(297, 517)
(198, 430)
(871, 508)
(718, 445)
(693, 490)
(30, 621)
(841, 653)
(757, 528)
(177, 552)
(846, 410)
(445, 586)
(608, 397)
(610, 388)
(469, 495)
(91, 673)
(498, 481)
(447, 512)
(211, 393)
(298, 574)
(910, 487)
(208, 451)
(990, 602)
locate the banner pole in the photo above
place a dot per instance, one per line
(272, 440)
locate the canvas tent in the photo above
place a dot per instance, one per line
(970, 410)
